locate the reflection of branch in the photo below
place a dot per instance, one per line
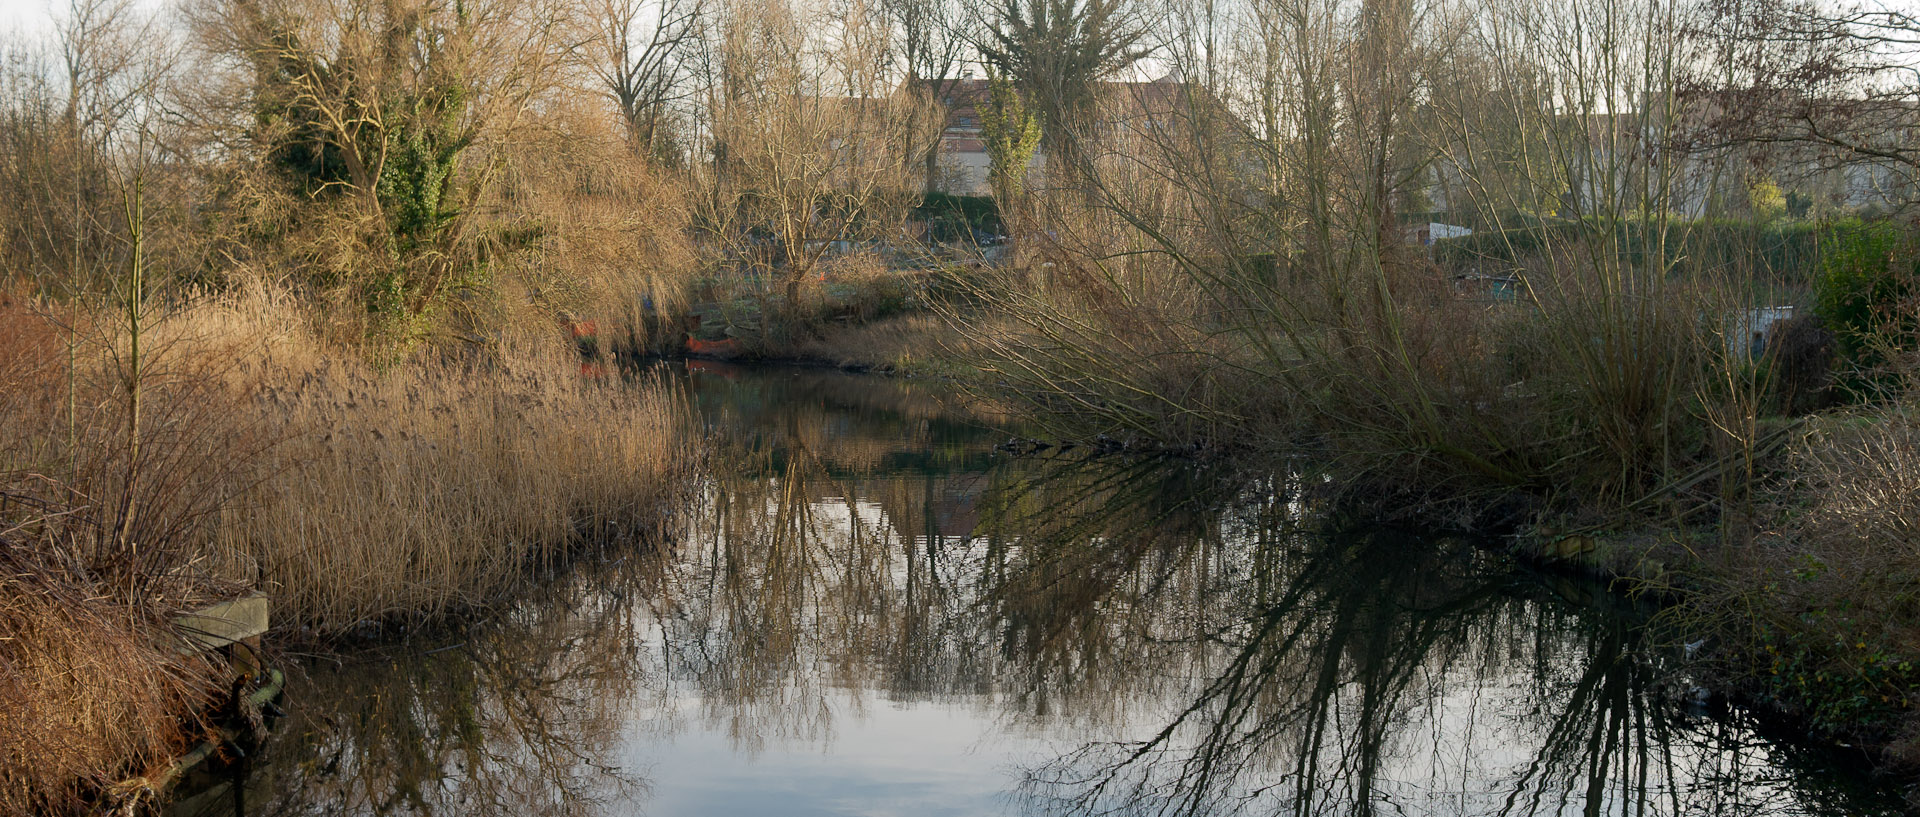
(1353, 636)
(515, 723)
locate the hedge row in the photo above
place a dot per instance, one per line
(1787, 251)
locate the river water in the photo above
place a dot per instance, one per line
(874, 611)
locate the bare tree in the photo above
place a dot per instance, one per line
(932, 38)
(63, 120)
(108, 54)
(806, 138)
(638, 54)
(1830, 85)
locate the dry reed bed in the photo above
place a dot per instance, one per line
(430, 490)
(267, 459)
(436, 484)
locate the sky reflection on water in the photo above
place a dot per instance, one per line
(874, 613)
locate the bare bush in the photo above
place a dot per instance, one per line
(607, 237)
(810, 148)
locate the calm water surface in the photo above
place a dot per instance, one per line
(873, 612)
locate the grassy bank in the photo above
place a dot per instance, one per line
(245, 453)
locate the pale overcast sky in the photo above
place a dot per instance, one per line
(28, 19)
(22, 16)
(34, 18)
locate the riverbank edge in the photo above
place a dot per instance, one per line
(361, 497)
(1663, 565)
(1637, 562)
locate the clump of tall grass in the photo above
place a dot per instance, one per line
(261, 457)
(91, 690)
(101, 530)
(435, 484)
(1599, 383)
(1088, 356)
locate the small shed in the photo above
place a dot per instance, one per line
(1480, 286)
(1748, 330)
(1426, 234)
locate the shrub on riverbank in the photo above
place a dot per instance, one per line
(1600, 385)
(101, 525)
(1820, 612)
(1865, 294)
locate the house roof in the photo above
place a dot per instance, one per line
(963, 97)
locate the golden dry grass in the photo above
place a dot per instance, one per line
(432, 484)
(435, 484)
(269, 459)
(89, 694)
(90, 689)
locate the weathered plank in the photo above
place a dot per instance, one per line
(221, 624)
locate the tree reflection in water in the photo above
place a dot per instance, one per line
(1377, 673)
(513, 716)
(1180, 640)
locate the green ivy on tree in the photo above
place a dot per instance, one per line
(1012, 134)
